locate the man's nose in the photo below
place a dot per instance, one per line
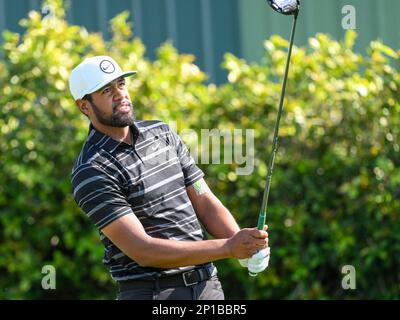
(119, 94)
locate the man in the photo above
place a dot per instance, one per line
(139, 185)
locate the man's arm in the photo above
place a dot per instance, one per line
(220, 223)
(128, 234)
(217, 219)
(100, 196)
(214, 216)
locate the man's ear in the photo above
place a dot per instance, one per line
(83, 106)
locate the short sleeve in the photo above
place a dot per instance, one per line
(191, 171)
(99, 195)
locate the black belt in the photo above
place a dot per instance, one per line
(184, 279)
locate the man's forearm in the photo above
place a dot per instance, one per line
(219, 222)
(162, 253)
(216, 218)
(128, 234)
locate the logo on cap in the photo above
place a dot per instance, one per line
(107, 66)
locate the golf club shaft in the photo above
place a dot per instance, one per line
(263, 212)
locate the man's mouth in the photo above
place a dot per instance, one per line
(123, 107)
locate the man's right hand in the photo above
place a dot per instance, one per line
(247, 242)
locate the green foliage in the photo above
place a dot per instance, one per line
(334, 198)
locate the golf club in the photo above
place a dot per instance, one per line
(286, 7)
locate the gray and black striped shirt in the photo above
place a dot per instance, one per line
(111, 179)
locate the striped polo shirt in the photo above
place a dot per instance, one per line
(111, 179)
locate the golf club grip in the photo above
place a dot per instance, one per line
(260, 226)
(261, 220)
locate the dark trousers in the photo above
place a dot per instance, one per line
(210, 289)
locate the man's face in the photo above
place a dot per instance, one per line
(111, 105)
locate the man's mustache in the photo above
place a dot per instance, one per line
(115, 106)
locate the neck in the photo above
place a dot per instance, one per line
(119, 134)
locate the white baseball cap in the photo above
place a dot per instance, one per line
(94, 73)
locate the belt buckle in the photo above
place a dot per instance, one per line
(188, 273)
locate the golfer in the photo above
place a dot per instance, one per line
(138, 184)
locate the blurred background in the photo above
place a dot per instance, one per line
(335, 195)
(208, 29)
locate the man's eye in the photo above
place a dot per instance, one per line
(107, 90)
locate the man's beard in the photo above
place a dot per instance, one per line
(118, 119)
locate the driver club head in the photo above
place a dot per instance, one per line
(286, 7)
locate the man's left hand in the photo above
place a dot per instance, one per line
(257, 262)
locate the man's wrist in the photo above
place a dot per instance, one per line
(228, 247)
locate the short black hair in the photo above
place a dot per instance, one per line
(88, 97)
